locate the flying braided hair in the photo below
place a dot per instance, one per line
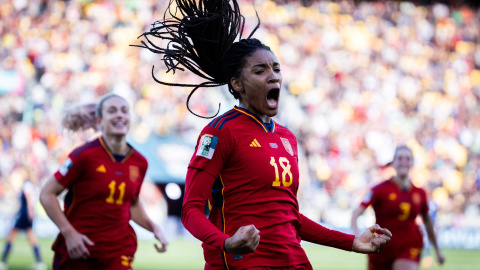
(201, 38)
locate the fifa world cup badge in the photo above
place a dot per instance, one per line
(207, 146)
(287, 146)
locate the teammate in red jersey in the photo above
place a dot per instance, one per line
(103, 178)
(244, 164)
(397, 203)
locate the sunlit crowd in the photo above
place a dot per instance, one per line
(359, 79)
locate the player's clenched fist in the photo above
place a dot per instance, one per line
(245, 240)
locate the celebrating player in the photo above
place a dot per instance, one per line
(103, 178)
(24, 221)
(244, 163)
(396, 203)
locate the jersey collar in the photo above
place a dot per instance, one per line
(110, 154)
(256, 119)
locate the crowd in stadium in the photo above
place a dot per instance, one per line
(358, 80)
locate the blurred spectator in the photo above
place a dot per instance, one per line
(359, 79)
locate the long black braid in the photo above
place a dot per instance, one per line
(202, 40)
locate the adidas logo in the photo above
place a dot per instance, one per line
(101, 169)
(255, 143)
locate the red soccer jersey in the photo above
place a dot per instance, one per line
(100, 192)
(256, 171)
(396, 210)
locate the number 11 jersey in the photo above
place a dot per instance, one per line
(100, 191)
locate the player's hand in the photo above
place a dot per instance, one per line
(440, 257)
(244, 241)
(372, 240)
(159, 236)
(76, 244)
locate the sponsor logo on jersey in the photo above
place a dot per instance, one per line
(255, 143)
(207, 146)
(287, 146)
(392, 196)
(65, 166)
(101, 169)
(273, 145)
(237, 257)
(134, 173)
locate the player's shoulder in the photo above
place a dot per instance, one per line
(280, 129)
(86, 147)
(418, 189)
(386, 184)
(223, 122)
(142, 159)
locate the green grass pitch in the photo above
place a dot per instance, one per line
(185, 254)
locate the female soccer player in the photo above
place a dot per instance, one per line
(24, 221)
(103, 178)
(396, 203)
(244, 164)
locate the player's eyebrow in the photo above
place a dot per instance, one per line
(265, 65)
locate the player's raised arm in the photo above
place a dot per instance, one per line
(76, 242)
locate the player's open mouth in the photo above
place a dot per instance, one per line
(272, 98)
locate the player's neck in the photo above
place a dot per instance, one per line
(117, 144)
(403, 182)
(264, 118)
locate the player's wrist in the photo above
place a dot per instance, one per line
(67, 231)
(227, 245)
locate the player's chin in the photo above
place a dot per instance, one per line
(271, 112)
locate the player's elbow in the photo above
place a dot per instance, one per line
(184, 214)
(188, 211)
(43, 198)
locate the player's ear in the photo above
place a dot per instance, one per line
(237, 85)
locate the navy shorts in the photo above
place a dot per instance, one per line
(23, 223)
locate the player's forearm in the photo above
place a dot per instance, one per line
(195, 221)
(52, 208)
(198, 185)
(313, 232)
(356, 213)
(139, 216)
(430, 232)
(354, 222)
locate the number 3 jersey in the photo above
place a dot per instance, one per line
(256, 171)
(100, 192)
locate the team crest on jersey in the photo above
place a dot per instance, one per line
(207, 146)
(392, 196)
(65, 166)
(416, 198)
(134, 173)
(287, 145)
